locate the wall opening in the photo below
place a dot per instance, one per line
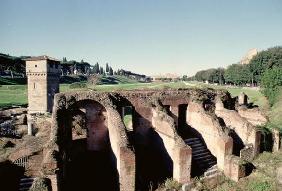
(237, 143)
(127, 117)
(202, 159)
(92, 164)
(153, 163)
(182, 111)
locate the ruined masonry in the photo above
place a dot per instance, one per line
(43, 74)
(172, 133)
(135, 140)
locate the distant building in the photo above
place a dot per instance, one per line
(166, 77)
(43, 76)
(250, 54)
(139, 77)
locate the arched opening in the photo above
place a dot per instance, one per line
(92, 164)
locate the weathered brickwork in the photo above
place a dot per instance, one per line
(43, 83)
(157, 125)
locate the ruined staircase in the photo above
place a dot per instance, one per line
(202, 157)
(25, 183)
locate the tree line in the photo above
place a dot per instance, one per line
(264, 69)
(12, 65)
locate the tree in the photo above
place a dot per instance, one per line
(101, 70)
(111, 72)
(238, 74)
(107, 67)
(271, 82)
(118, 72)
(96, 68)
(211, 75)
(265, 60)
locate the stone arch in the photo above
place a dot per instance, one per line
(106, 152)
(92, 154)
(95, 124)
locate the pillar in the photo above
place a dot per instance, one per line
(243, 99)
(29, 124)
(182, 158)
(174, 111)
(276, 140)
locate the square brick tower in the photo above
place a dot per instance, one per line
(43, 75)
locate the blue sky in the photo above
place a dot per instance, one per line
(145, 36)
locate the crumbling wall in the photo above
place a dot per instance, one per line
(234, 168)
(253, 115)
(61, 136)
(142, 123)
(148, 120)
(217, 141)
(180, 153)
(79, 129)
(96, 124)
(245, 130)
(125, 157)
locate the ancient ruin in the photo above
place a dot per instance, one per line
(43, 74)
(175, 134)
(132, 140)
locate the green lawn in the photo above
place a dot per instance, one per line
(255, 96)
(275, 113)
(13, 95)
(17, 94)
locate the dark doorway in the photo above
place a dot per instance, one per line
(153, 163)
(92, 170)
(182, 109)
(91, 163)
(237, 142)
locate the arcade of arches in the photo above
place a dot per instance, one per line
(175, 134)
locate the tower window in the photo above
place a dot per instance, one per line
(35, 66)
(33, 85)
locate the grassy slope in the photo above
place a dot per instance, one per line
(263, 178)
(275, 113)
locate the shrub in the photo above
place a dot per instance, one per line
(41, 184)
(172, 184)
(78, 85)
(271, 83)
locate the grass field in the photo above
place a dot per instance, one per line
(17, 94)
(13, 95)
